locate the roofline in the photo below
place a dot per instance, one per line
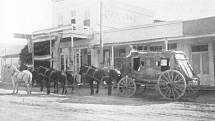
(142, 26)
(158, 40)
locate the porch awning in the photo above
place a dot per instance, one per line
(43, 57)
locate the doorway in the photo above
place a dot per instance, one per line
(200, 63)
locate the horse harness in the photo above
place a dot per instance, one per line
(16, 73)
(93, 75)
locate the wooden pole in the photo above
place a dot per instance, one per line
(112, 56)
(51, 61)
(101, 34)
(166, 44)
(72, 54)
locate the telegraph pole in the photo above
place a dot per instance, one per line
(101, 34)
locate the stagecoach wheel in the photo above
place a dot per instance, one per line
(171, 84)
(126, 87)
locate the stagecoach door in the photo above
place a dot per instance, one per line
(200, 63)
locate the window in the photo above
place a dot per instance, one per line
(199, 48)
(86, 21)
(156, 48)
(136, 47)
(164, 63)
(136, 64)
(172, 46)
(122, 52)
(73, 21)
(141, 66)
(139, 47)
(145, 48)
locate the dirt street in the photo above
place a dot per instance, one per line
(41, 107)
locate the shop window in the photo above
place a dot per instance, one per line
(145, 48)
(122, 52)
(140, 48)
(156, 48)
(172, 46)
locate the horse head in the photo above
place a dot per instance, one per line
(83, 69)
(115, 74)
(13, 69)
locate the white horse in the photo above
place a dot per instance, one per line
(17, 76)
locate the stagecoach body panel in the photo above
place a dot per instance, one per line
(167, 69)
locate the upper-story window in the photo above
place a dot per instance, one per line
(86, 21)
(73, 19)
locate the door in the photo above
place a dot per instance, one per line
(106, 57)
(64, 59)
(64, 62)
(77, 60)
(200, 63)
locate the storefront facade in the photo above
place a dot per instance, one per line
(196, 41)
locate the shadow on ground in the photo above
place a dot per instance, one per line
(82, 95)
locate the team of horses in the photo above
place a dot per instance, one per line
(61, 79)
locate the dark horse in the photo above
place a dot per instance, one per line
(108, 75)
(48, 75)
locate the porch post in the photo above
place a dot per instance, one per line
(211, 62)
(112, 56)
(33, 55)
(166, 44)
(57, 46)
(72, 54)
(50, 42)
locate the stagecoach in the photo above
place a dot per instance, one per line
(169, 72)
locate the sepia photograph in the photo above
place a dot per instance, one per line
(107, 60)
